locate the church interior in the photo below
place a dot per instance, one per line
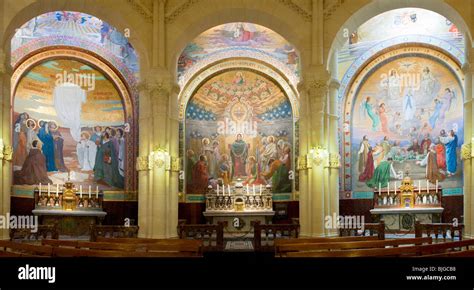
(183, 128)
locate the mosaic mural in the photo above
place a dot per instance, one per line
(80, 30)
(69, 122)
(402, 22)
(238, 125)
(239, 39)
(405, 117)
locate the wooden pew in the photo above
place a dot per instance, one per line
(25, 249)
(420, 250)
(211, 235)
(372, 229)
(457, 254)
(270, 233)
(70, 252)
(192, 247)
(439, 230)
(283, 250)
(113, 231)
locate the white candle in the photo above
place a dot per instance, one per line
(388, 188)
(217, 189)
(427, 186)
(89, 191)
(228, 187)
(260, 189)
(436, 185)
(97, 192)
(80, 190)
(419, 186)
(395, 187)
(49, 189)
(40, 188)
(57, 190)
(248, 190)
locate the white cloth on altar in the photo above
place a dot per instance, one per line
(68, 99)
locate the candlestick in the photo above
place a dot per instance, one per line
(419, 186)
(427, 185)
(40, 189)
(57, 190)
(89, 191)
(388, 188)
(97, 192)
(436, 185)
(253, 189)
(49, 190)
(260, 189)
(248, 190)
(380, 188)
(395, 187)
(228, 187)
(217, 189)
(80, 191)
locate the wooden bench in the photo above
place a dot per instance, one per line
(438, 230)
(420, 250)
(370, 229)
(192, 247)
(113, 231)
(24, 249)
(284, 249)
(270, 233)
(70, 252)
(211, 235)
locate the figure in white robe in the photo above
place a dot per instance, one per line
(86, 153)
(121, 151)
(68, 99)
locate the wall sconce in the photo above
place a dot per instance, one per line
(2, 147)
(319, 154)
(160, 158)
(6, 152)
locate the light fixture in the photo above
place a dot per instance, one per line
(319, 154)
(2, 147)
(160, 158)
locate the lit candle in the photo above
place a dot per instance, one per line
(80, 191)
(57, 190)
(89, 191)
(97, 192)
(436, 185)
(49, 189)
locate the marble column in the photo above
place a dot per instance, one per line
(468, 160)
(5, 135)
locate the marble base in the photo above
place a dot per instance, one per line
(239, 221)
(70, 223)
(403, 219)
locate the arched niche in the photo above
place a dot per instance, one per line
(232, 97)
(406, 86)
(107, 103)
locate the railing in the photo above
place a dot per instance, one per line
(264, 235)
(369, 229)
(113, 232)
(211, 235)
(439, 229)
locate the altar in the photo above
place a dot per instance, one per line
(402, 206)
(239, 206)
(72, 211)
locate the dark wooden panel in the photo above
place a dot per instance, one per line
(192, 212)
(453, 208)
(116, 211)
(356, 207)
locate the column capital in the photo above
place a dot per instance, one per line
(158, 81)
